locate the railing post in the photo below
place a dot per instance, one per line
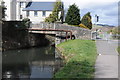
(54, 25)
(42, 25)
(71, 35)
(66, 35)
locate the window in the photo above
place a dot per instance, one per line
(21, 4)
(44, 13)
(28, 13)
(35, 13)
(20, 16)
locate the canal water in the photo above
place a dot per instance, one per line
(30, 63)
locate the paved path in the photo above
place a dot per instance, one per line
(107, 60)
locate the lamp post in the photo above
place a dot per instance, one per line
(96, 20)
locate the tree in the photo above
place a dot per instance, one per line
(86, 20)
(73, 15)
(58, 7)
(26, 23)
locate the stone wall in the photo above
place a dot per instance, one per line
(14, 38)
(78, 32)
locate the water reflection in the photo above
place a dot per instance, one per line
(29, 63)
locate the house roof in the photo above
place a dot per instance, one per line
(39, 6)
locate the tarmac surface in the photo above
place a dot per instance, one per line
(107, 61)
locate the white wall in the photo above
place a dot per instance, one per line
(34, 19)
(43, 0)
(7, 12)
(19, 10)
(39, 18)
(13, 10)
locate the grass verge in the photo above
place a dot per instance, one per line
(80, 57)
(118, 49)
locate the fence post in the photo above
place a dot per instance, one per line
(66, 35)
(71, 35)
(42, 25)
(54, 25)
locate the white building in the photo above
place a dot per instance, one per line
(35, 11)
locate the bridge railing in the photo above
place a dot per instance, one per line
(43, 25)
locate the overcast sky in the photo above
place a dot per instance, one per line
(107, 10)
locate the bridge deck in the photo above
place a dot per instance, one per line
(58, 30)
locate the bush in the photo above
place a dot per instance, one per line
(26, 23)
(83, 26)
(115, 32)
(118, 49)
(51, 18)
(86, 20)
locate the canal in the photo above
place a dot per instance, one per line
(30, 63)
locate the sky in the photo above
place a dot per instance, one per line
(107, 10)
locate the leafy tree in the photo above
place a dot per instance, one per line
(86, 20)
(26, 22)
(73, 15)
(62, 13)
(58, 7)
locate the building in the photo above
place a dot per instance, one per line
(14, 9)
(35, 11)
(38, 11)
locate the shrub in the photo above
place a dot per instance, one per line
(26, 22)
(83, 26)
(86, 20)
(118, 49)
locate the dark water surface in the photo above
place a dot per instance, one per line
(30, 63)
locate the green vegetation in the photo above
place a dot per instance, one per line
(58, 7)
(80, 57)
(86, 20)
(26, 23)
(73, 15)
(83, 26)
(118, 49)
(115, 31)
(73, 18)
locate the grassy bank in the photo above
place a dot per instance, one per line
(80, 56)
(118, 49)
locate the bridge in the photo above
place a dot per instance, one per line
(48, 31)
(59, 30)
